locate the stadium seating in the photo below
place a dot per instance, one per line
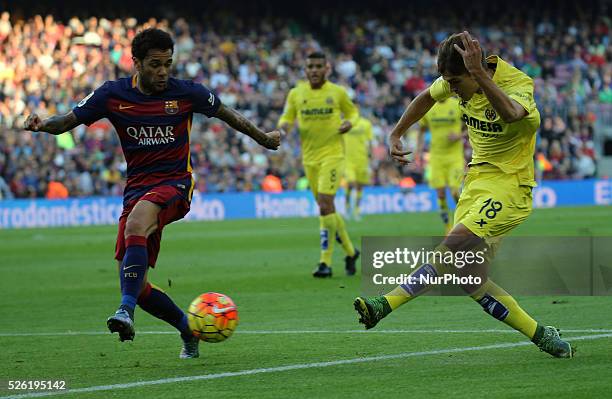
(384, 62)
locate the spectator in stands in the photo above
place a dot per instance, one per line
(47, 64)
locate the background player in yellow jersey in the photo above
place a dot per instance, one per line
(446, 161)
(498, 106)
(357, 141)
(324, 112)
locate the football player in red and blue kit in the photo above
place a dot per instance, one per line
(152, 115)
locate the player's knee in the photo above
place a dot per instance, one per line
(462, 239)
(135, 227)
(326, 204)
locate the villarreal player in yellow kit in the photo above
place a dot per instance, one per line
(357, 173)
(324, 112)
(446, 161)
(498, 106)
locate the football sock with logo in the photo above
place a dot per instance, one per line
(132, 273)
(345, 239)
(499, 304)
(414, 286)
(328, 226)
(157, 303)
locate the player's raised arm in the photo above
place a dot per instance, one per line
(413, 113)
(56, 124)
(270, 140)
(507, 108)
(88, 110)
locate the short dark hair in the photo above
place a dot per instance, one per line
(317, 55)
(449, 59)
(150, 39)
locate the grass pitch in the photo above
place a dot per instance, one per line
(298, 337)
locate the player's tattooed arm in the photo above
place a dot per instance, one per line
(270, 140)
(56, 124)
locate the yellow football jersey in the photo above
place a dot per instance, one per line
(319, 114)
(357, 142)
(509, 146)
(443, 119)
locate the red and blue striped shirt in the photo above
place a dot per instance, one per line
(153, 129)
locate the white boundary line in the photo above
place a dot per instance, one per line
(281, 332)
(291, 367)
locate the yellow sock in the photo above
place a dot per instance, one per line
(397, 297)
(347, 244)
(406, 292)
(328, 237)
(501, 305)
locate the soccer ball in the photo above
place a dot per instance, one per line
(212, 317)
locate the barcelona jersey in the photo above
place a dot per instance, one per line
(153, 129)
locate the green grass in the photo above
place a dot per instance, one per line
(61, 280)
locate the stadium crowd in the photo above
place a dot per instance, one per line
(48, 65)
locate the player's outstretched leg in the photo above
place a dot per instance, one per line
(190, 349)
(501, 305)
(548, 339)
(157, 303)
(121, 323)
(141, 221)
(373, 309)
(132, 273)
